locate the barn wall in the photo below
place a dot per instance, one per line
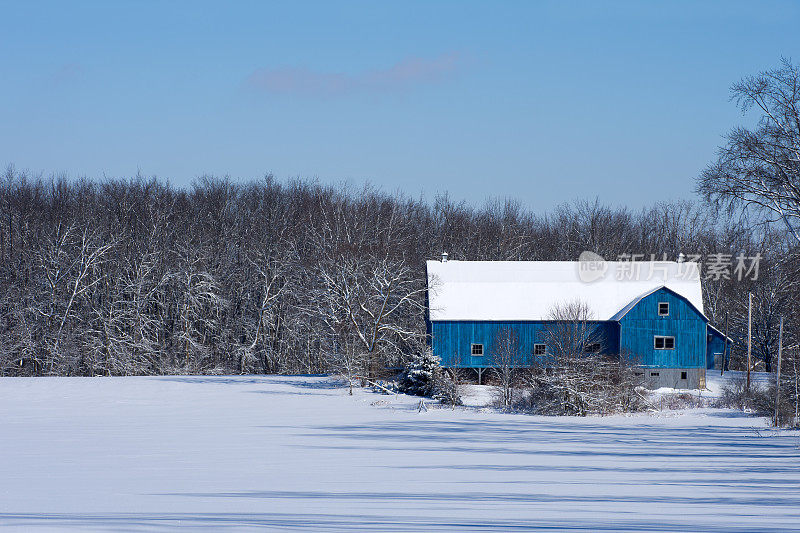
(714, 350)
(452, 340)
(685, 323)
(655, 378)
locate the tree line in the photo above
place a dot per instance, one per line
(121, 277)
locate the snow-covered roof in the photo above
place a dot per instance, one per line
(529, 290)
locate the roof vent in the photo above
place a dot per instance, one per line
(681, 257)
(444, 257)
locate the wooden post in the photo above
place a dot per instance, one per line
(778, 374)
(724, 347)
(749, 334)
(796, 393)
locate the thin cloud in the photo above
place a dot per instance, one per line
(403, 75)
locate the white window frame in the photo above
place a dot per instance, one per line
(659, 308)
(543, 346)
(664, 338)
(472, 350)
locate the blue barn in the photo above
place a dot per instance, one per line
(650, 312)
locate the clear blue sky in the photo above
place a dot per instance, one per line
(542, 101)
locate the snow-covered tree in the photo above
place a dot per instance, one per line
(424, 376)
(421, 374)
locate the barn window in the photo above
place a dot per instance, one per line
(684, 375)
(663, 308)
(661, 342)
(654, 374)
(592, 347)
(477, 350)
(539, 349)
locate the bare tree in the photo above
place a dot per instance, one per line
(506, 357)
(200, 310)
(759, 168)
(574, 377)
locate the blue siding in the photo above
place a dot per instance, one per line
(716, 345)
(685, 323)
(452, 340)
(632, 336)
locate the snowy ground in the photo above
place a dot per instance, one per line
(289, 453)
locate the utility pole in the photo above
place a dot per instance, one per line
(749, 334)
(778, 374)
(724, 347)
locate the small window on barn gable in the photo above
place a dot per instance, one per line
(661, 342)
(663, 308)
(539, 349)
(592, 347)
(477, 350)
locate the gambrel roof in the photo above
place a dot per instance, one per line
(529, 290)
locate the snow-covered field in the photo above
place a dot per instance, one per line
(242, 453)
